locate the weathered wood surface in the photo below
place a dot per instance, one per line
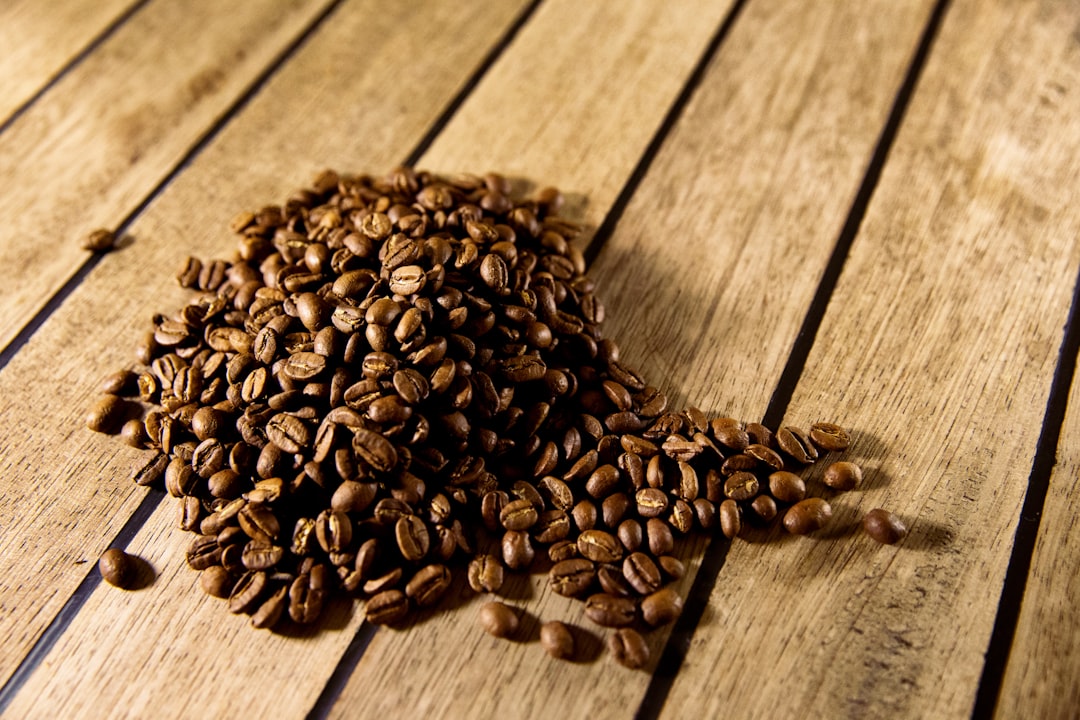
(926, 352)
(129, 113)
(78, 493)
(937, 347)
(762, 114)
(40, 39)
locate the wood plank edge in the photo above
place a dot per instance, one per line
(999, 649)
(76, 60)
(678, 642)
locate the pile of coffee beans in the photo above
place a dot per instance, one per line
(397, 377)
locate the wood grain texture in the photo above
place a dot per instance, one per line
(129, 113)
(1044, 662)
(734, 122)
(937, 349)
(67, 490)
(39, 39)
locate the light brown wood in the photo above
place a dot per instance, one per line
(1041, 674)
(39, 39)
(757, 107)
(129, 113)
(78, 494)
(937, 349)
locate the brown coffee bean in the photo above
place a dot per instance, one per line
(651, 502)
(557, 640)
(117, 568)
(884, 527)
(796, 443)
(661, 607)
(741, 486)
(765, 455)
(764, 508)
(730, 518)
(518, 515)
(413, 538)
(584, 515)
(610, 611)
(106, 414)
(563, 550)
(485, 574)
(642, 573)
(517, 550)
(216, 581)
(498, 619)
(807, 516)
(673, 567)
(428, 585)
(307, 594)
(658, 533)
(353, 497)
(387, 607)
(599, 546)
(843, 476)
(572, 577)
(99, 241)
(829, 437)
(629, 648)
(270, 611)
(248, 592)
(787, 486)
(333, 529)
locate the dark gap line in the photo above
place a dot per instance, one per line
(74, 604)
(477, 75)
(58, 298)
(678, 644)
(350, 658)
(1027, 529)
(674, 112)
(74, 62)
(63, 619)
(335, 684)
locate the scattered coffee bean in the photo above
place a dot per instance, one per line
(498, 619)
(117, 568)
(806, 516)
(843, 476)
(884, 526)
(557, 640)
(628, 648)
(99, 241)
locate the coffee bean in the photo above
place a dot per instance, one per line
(485, 574)
(787, 486)
(764, 508)
(642, 573)
(796, 443)
(248, 592)
(829, 437)
(428, 585)
(741, 486)
(843, 476)
(106, 414)
(765, 455)
(730, 518)
(807, 515)
(498, 619)
(117, 568)
(557, 640)
(610, 611)
(629, 648)
(307, 593)
(413, 537)
(661, 607)
(660, 539)
(387, 607)
(99, 241)
(216, 581)
(651, 502)
(271, 609)
(518, 515)
(599, 546)
(884, 527)
(673, 567)
(572, 577)
(517, 550)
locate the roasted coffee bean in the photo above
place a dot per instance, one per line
(153, 471)
(787, 486)
(498, 619)
(216, 581)
(612, 581)
(602, 481)
(829, 437)
(101, 240)
(807, 515)
(629, 648)
(557, 640)
(384, 582)
(651, 502)
(387, 607)
(517, 550)
(203, 552)
(518, 515)
(572, 577)
(614, 509)
(374, 449)
(661, 607)
(741, 486)
(642, 573)
(673, 567)
(599, 546)
(270, 611)
(884, 527)
(428, 585)
(843, 476)
(630, 535)
(353, 497)
(730, 518)
(261, 555)
(563, 550)
(765, 455)
(106, 414)
(682, 516)
(764, 508)
(551, 526)
(248, 592)
(333, 530)
(584, 514)
(660, 539)
(486, 574)
(413, 538)
(117, 568)
(610, 611)
(796, 443)
(705, 513)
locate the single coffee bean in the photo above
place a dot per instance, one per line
(486, 574)
(498, 619)
(843, 476)
(765, 455)
(572, 577)
(787, 486)
(661, 607)
(829, 437)
(517, 550)
(557, 640)
(673, 567)
(884, 527)
(248, 592)
(599, 546)
(651, 502)
(387, 607)
(270, 611)
(106, 414)
(730, 518)
(610, 611)
(642, 573)
(797, 444)
(660, 539)
(518, 515)
(629, 648)
(216, 581)
(99, 241)
(764, 507)
(563, 550)
(413, 537)
(807, 515)
(428, 585)
(117, 568)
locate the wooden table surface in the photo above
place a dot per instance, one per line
(856, 210)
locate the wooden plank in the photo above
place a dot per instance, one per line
(1043, 665)
(39, 39)
(938, 348)
(67, 490)
(784, 73)
(129, 113)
